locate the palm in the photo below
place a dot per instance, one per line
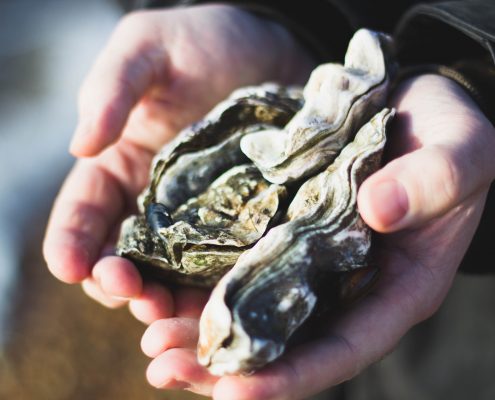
(418, 262)
(171, 67)
(159, 72)
(155, 77)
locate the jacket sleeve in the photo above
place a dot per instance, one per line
(459, 34)
(447, 31)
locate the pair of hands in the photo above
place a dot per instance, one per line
(162, 70)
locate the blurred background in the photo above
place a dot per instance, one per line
(55, 343)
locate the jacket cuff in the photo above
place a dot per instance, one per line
(444, 32)
(458, 34)
(471, 75)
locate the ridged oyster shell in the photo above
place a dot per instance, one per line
(211, 224)
(339, 99)
(200, 153)
(273, 287)
(203, 237)
(225, 184)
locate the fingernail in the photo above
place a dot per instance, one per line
(177, 385)
(121, 298)
(390, 202)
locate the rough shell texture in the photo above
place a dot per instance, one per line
(211, 223)
(274, 286)
(200, 153)
(265, 188)
(203, 237)
(339, 99)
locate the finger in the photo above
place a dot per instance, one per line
(89, 203)
(154, 303)
(306, 371)
(123, 72)
(327, 363)
(118, 277)
(300, 374)
(417, 187)
(450, 145)
(189, 302)
(179, 369)
(93, 290)
(169, 333)
(362, 336)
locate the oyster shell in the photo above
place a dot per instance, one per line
(210, 224)
(199, 154)
(218, 195)
(339, 99)
(202, 239)
(273, 287)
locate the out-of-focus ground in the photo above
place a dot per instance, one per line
(450, 356)
(55, 343)
(64, 346)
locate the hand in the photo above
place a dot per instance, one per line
(427, 201)
(160, 71)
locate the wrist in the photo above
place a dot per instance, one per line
(445, 72)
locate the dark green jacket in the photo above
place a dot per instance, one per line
(457, 34)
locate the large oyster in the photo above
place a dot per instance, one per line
(192, 230)
(339, 99)
(202, 239)
(219, 196)
(200, 153)
(273, 287)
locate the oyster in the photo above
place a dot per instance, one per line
(185, 167)
(260, 197)
(202, 239)
(339, 99)
(274, 286)
(190, 230)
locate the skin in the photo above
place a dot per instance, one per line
(153, 78)
(426, 201)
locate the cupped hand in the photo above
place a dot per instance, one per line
(426, 201)
(160, 71)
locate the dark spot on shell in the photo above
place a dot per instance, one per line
(158, 216)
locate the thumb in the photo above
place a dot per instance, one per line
(122, 73)
(417, 187)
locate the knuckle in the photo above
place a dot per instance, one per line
(133, 21)
(94, 291)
